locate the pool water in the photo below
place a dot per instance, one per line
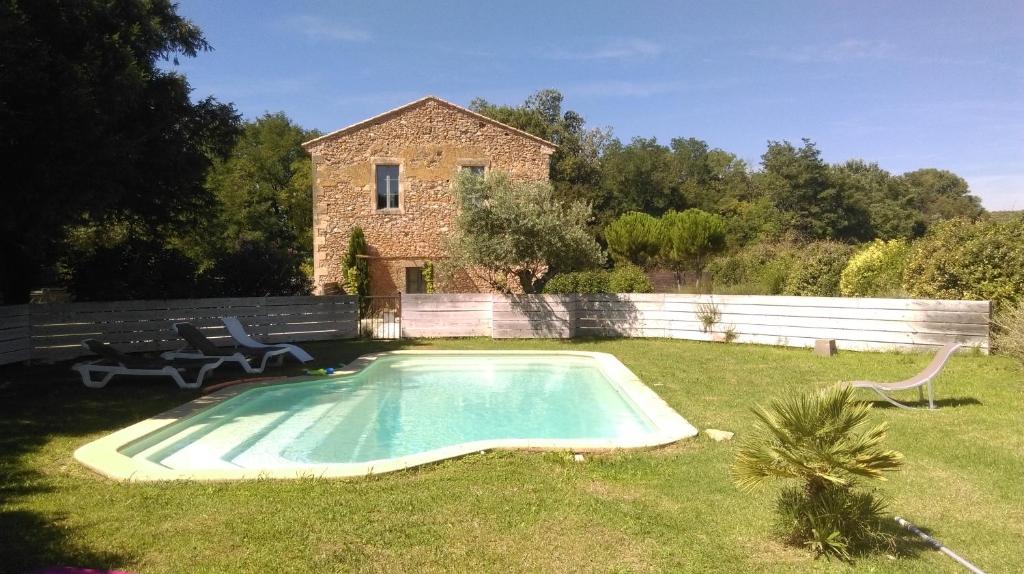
(401, 405)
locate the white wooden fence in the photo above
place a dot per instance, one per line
(51, 332)
(855, 323)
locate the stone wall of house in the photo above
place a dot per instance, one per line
(430, 142)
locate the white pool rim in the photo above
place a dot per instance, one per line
(105, 457)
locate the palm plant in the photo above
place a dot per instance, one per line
(825, 441)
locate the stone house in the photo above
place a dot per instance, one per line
(392, 175)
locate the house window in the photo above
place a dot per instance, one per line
(414, 282)
(477, 170)
(387, 186)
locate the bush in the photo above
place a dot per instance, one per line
(355, 269)
(1009, 333)
(629, 279)
(131, 269)
(876, 270)
(578, 282)
(623, 279)
(820, 266)
(960, 259)
(760, 268)
(256, 270)
(824, 441)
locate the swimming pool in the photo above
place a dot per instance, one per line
(391, 411)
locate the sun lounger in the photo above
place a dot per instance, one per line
(254, 361)
(113, 362)
(237, 332)
(919, 381)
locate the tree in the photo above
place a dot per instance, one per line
(356, 267)
(941, 194)
(690, 237)
(798, 181)
(516, 235)
(636, 177)
(634, 238)
(706, 177)
(892, 211)
(575, 165)
(824, 441)
(98, 131)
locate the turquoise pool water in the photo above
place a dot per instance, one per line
(400, 405)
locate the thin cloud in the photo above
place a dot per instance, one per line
(842, 51)
(319, 28)
(624, 49)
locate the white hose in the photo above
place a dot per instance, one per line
(939, 546)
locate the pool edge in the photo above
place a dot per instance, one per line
(103, 455)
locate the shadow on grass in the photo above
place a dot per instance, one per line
(951, 402)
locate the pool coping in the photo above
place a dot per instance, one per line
(104, 454)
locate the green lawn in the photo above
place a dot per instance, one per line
(670, 509)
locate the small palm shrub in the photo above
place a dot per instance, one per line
(824, 441)
(876, 270)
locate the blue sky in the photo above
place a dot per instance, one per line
(906, 84)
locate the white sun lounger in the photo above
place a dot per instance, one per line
(253, 361)
(237, 332)
(919, 381)
(113, 362)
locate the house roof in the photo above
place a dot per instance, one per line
(401, 109)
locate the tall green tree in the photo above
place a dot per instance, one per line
(575, 165)
(798, 181)
(516, 235)
(891, 210)
(941, 194)
(265, 188)
(637, 177)
(96, 129)
(635, 239)
(690, 238)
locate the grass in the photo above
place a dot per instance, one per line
(669, 509)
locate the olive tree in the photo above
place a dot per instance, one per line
(515, 235)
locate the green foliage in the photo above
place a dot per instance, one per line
(355, 268)
(1009, 331)
(960, 259)
(799, 183)
(758, 269)
(265, 187)
(635, 238)
(891, 209)
(629, 279)
(131, 269)
(818, 269)
(123, 139)
(825, 442)
(690, 238)
(428, 276)
(256, 270)
(622, 279)
(876, 270)
(595, 281)
(941, 195)
(518, 231)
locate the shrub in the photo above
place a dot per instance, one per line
(876, 270)
(634, 238)
(596, 281)
(428, 277)
(824, 441)
(960, 259)
(256, 270)
(1009, 334)
(355, 269)
(131, 269)
(629, 279)
(820, 266)
(759, 268)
